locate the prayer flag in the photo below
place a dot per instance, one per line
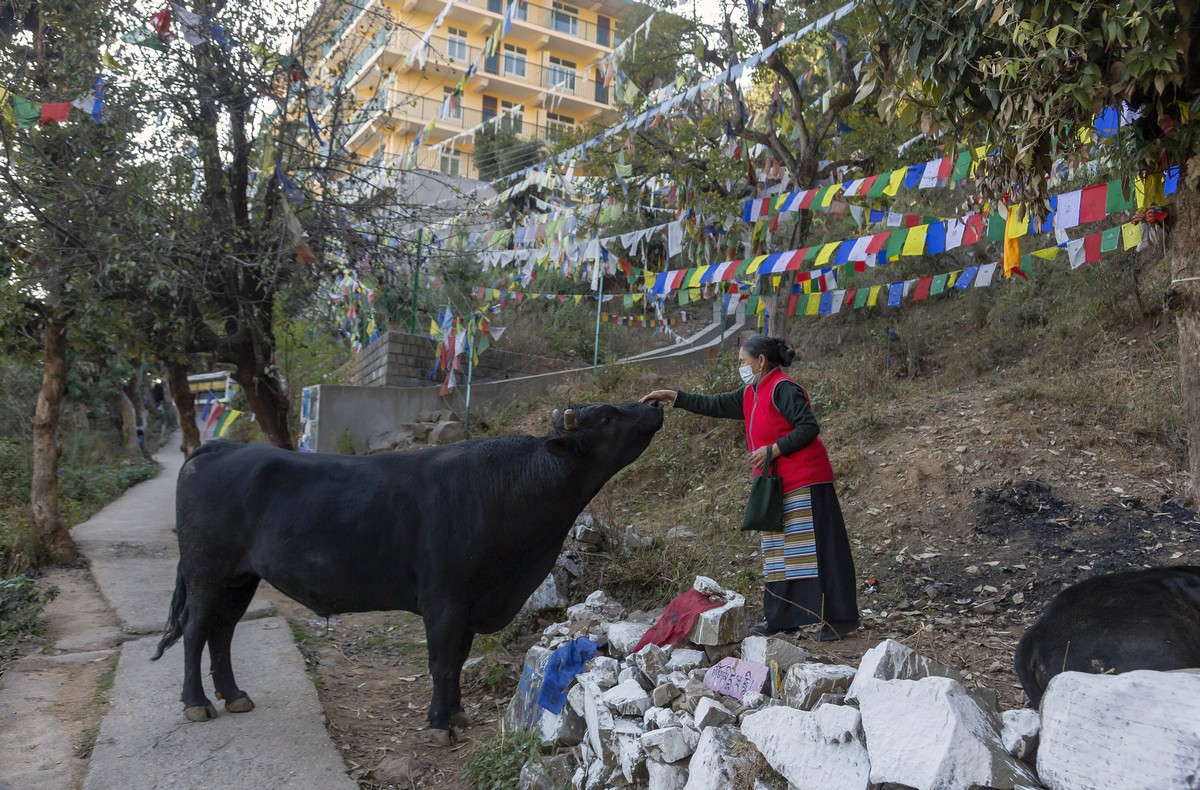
(1119, 197)
(26, 113)
(963, 281)
(873, 296)
(55, 113)
(914, 242)
(1110, 239)
(1131, 235)
(1092, 202)
(895, 293)
(923, 286)
(938, 285)
(227, 418)
(984, 277)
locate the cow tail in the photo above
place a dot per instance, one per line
(177, 618)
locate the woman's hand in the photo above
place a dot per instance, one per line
(665, 396)
(760, 457)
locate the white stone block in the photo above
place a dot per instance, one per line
(575, 699)
(565, 728)
(932, 734)
(596, 606)
(805, 683)
(666, 776)
(604, 669)
(1019, 733)
(600, 722)
(651, 661)
(523, 708)
(627, 699)
(685, 660)
(664, 694)
(545, 598)
(819, 749)
(624, 635)
(710, 713)
(766, 650)
(1134, 731)
(890, 660)
(723, 625)
(631, 757)
(721, 761)
(667, 744)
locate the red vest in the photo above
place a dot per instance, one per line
(765, 425)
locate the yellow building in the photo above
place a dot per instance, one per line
(546, 73)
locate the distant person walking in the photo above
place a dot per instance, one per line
(808, 566)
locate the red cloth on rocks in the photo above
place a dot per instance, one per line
(678, 619)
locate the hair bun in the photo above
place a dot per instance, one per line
(786, 352)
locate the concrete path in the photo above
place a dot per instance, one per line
(144, 739)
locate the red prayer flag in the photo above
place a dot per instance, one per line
(808, 196)
(796, 261)
(676, 280)
(922, 291)
(793, 300)
(849, 300)
(867, 183)
(678, 619)
(1091, 245)
(732, 270)
(55, 113)
(945, 167)
(860, 266)
(974, 230)
(877, 243)
(1092, 203)
(911, 220)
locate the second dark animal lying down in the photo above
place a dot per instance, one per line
(460, 535)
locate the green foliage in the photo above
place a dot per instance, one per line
(1028, 76)
(21, 606)
(498, 765)
(499, 151)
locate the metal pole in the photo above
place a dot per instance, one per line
(470, 372)
(599, 304)
(412, 324)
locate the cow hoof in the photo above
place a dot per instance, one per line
(240, 705)
(200, 713)
(437, 737)
(461, 719)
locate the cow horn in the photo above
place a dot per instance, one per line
(555, 416)
(569, 421)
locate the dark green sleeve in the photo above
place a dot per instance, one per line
(793, 405)
(727, 404)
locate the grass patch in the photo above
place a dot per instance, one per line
(104, 687)
(498, 764)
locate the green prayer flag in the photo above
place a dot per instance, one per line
(938, 285)
(860, 297)
(812, 253)
(1117, 199)
(628, 301)
(683, 295)
(26, 113)
(895, 242)
(962, 166)
(880, 184)
(144, 38)
(995, 227)
(751, 305)
(1111, 238)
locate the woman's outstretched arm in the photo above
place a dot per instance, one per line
(727, 404)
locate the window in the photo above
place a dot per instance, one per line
(495, 6)
(456, 47)
(512, 120)
(557, 123)
(450, 162)
(522, 11)
(489, 107)
(565, 19)
(454, 108)
(514, 60)
(603, 30)
(561, 74)
(601, 91)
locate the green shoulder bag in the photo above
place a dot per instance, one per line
(764, 508)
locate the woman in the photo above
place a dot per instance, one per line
(808, 567)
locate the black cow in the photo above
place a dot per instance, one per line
(1119, 622)
(461, 535)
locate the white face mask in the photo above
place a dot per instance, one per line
(747, 374)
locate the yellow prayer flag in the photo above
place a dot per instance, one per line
(1149, 190)
(814, 305)
(1131, 235)
(1048, 253)
(779, 201)
(776, 280)
(1016, 224)
(694, 280)
(914, 242)
(1012, 255)
(806, 286)
(952, 278)
(754, 264)
(578, 298)
(829, 195)
(827, 252)
(894, 180)
(694, 294)
(873, 297)
(267, 168)
(638, 297)
(761, 308)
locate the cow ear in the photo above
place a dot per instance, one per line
(562, 446)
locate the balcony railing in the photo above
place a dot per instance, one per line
(353, 9)
(512, 66)
(373, 46)
(559, 20)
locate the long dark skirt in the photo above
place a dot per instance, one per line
(832, 597)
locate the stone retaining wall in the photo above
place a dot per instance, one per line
(398, 359)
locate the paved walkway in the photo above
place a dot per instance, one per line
(144, 739)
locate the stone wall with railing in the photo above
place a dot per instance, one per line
(398, 359)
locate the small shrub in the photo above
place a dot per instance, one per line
(498, 765)
(21, 605)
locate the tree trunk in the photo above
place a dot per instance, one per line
(1183, 299)
(267, 400)
(54, 541)
(185, 406)
(124, 407)
(136, 390)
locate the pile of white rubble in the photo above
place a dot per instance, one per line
(898, 720)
